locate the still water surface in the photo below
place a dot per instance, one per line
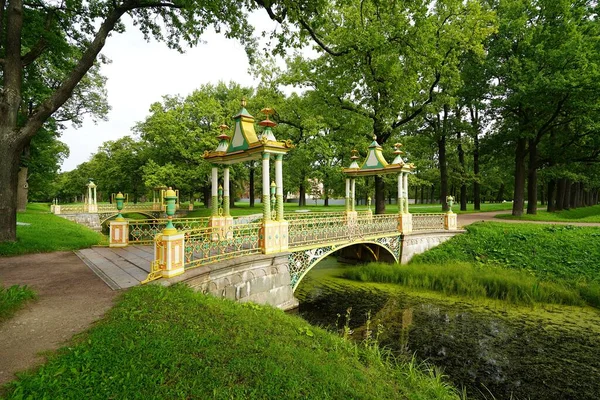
(492, 349)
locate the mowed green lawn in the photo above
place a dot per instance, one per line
(47, 232)
(582, 214)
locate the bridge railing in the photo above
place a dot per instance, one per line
(291, 216)
(334, 228)
(143, 231)
(207, 245)
(426, 222)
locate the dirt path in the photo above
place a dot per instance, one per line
(70, 298)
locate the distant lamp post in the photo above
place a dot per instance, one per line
(450, 201)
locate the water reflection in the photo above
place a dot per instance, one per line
(504, 351)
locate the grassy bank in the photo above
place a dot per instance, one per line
(12, 299)
(584, 214)
(47, 232)
(520, 263)
(173, 343)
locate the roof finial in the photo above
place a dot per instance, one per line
(397, 148)
(243, 101)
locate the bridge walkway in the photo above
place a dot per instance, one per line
(119, 268)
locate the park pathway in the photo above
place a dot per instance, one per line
(70, 299)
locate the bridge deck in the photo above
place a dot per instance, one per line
(119, 268)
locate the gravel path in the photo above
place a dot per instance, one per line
(70, 298)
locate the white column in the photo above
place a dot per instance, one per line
(215, 182)
(95, 200)
(406, 189)
(226, 182)
(353, 197)
(347, 194)
(400, 194)
(279, 183)
(89, 195)
(266, 197)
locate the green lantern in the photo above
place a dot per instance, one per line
(170, 199)
(120, 199)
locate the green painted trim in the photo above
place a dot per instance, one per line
(266, 200)
(214, 201)
(226, 206)
(266, 156)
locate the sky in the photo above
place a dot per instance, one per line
(142, 72)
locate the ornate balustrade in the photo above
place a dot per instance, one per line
(426, 222)
(207, 245)
(143, 231)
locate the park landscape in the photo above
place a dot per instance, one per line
(489, 111)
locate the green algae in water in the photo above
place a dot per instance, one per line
(487, 347)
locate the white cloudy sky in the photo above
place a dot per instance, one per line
(142, 72)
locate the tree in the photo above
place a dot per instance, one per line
(385, 61)
(30, 32)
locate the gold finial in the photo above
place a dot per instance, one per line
(243, 102)
(223, 127)
(397, 148)
(223, 135)
(267, 111)
(374, 137)
(354, 153)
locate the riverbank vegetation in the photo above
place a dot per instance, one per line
(44, 232)
(12, 299)
(519, 263)
(174, 343)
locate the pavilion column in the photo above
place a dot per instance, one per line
(215, 192)
(89, 197)
(279, 183)
(353, 196)
(400, 194)
(226, 192)
(95, 199)
(347, 194)
(406, 189)
(265, 183)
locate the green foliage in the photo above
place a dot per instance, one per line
(471, 280)
(584, 214)
(13, 298)
(549, 252)
(175, 343)
(48, 232)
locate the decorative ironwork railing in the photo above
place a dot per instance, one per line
(211, 244)
(328, 229)
(143, 231)
(425, 222)
(71, 209)
(312, 214)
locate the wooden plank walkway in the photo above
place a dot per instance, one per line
(119, 267)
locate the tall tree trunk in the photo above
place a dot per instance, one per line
(251, 186)
(422, 194)
(500, 194)
(231, 194)
(476, 184)
(463, 185)
(561, 185)
(519, 193)
(574, 190)
(532, 187)
(326, 196)
(567, 200)
(9, 171)
(380, 195)
(302, 195)
(432, 194)
(551, 195)
(443, 171)
(22, 189)
(542, 195)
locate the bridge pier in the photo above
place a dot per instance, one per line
(262, 279)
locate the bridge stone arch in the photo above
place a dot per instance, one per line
(150, 214)
(300, 262)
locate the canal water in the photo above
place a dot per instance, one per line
(492, 349)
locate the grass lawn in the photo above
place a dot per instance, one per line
(518, 262)
(13, 298)
(583, 214)
(167, 343)
(48, 232)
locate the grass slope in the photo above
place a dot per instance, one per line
(160, 343)
(47, 232)
(584, 214)
(520, 263)
(12, 299)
